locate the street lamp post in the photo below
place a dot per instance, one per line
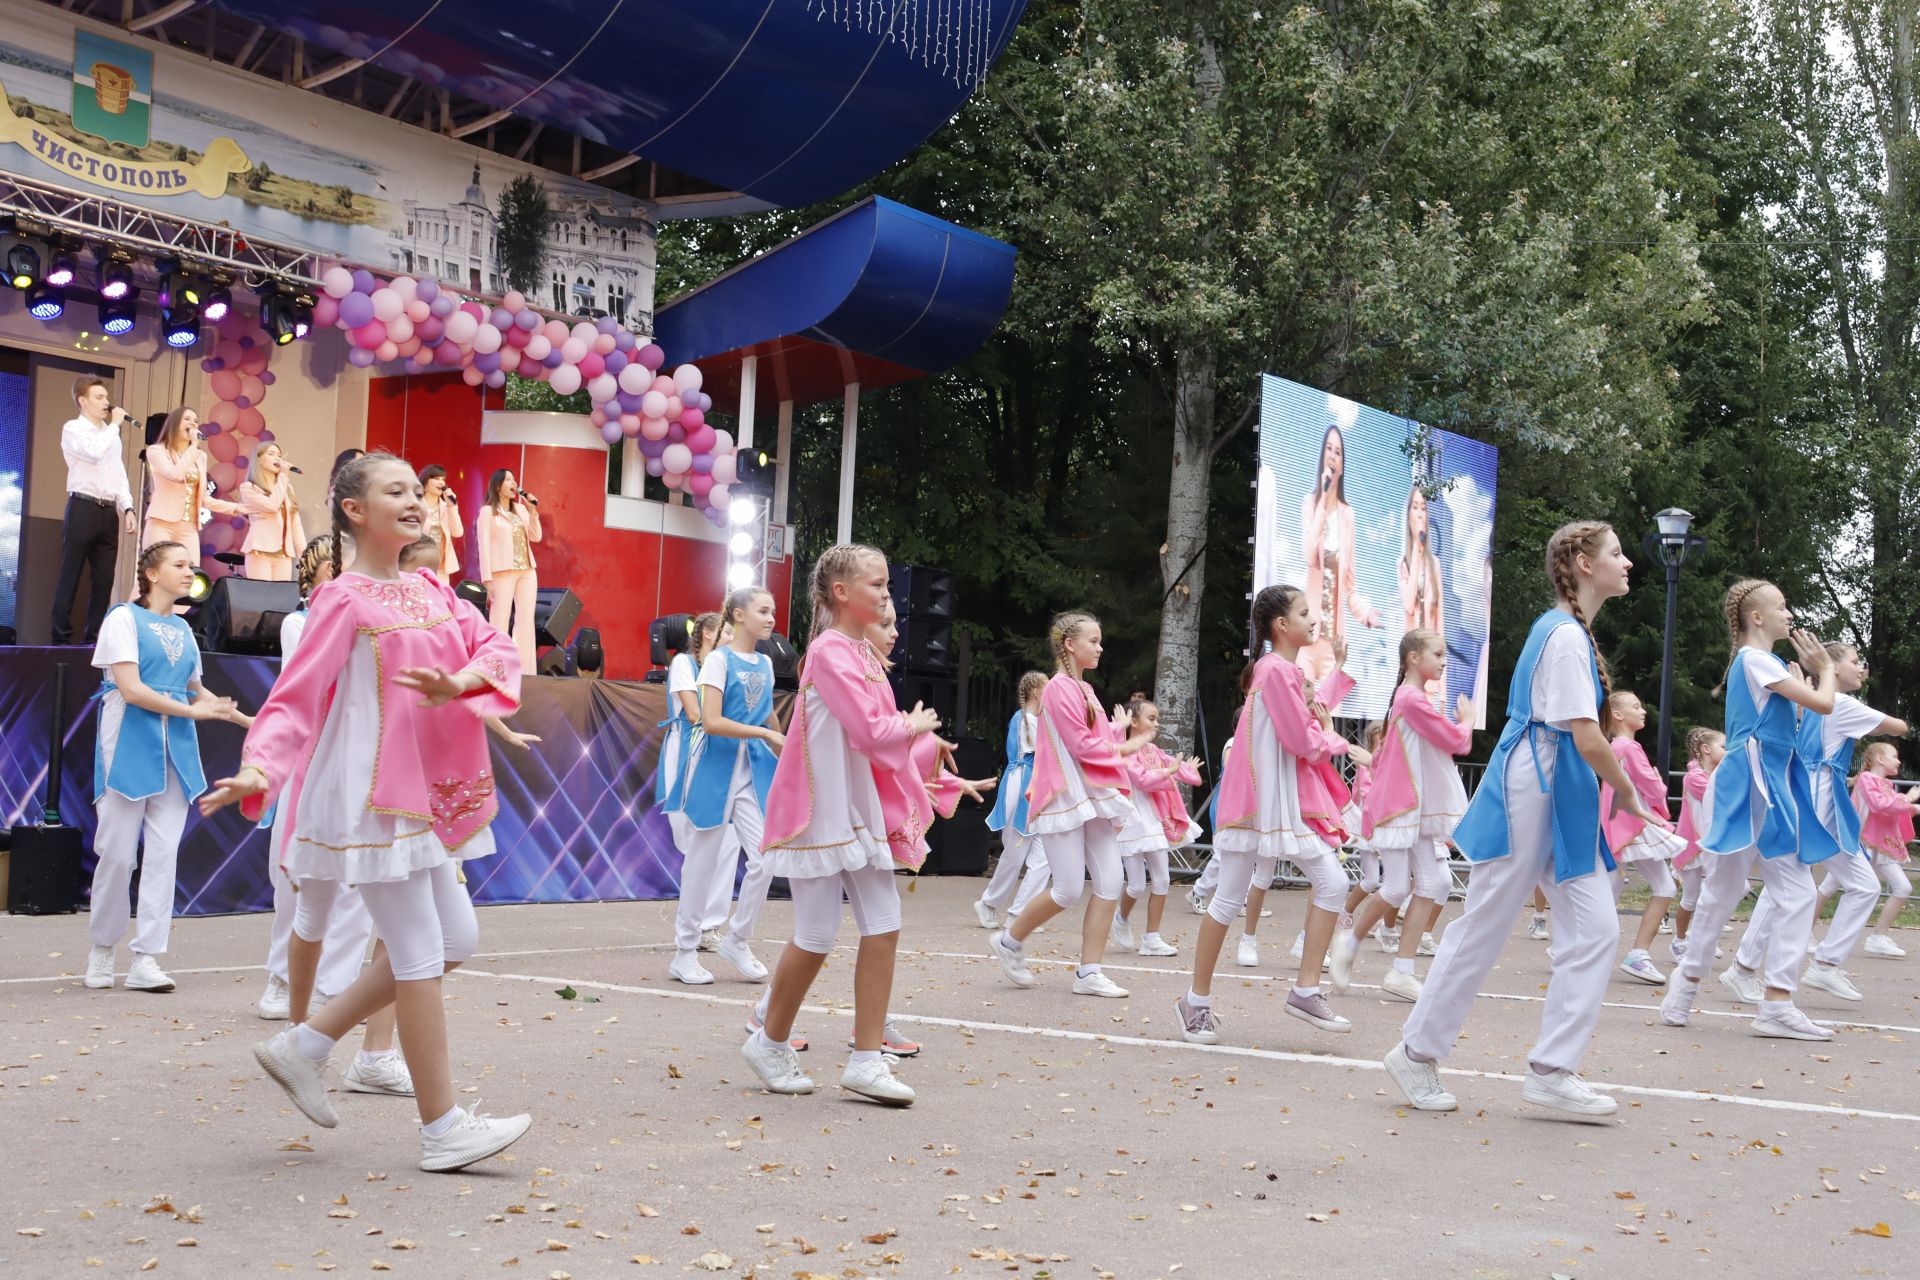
(1676, 547)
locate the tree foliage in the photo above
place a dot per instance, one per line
(525, 220)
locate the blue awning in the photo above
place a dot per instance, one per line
(876, 294)
(788, 101)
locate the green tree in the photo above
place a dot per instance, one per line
(526, 219)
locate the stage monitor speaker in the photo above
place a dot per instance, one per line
(786, 660)
(923, 603)
(555, 610)
(919, 589)
(941, 692)
(43, 860)
(473, 592)
(243, 615)
(958, 846)
(668, 636)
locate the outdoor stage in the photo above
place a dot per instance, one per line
(576, 822)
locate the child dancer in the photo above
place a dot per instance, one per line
(1886, 828)
(1826, 748)
(845, 807)
(1705, 749)
(1645, 847)
(1009, 816)
(146, 763)
(1077, 802)
(1762, 803)
(1320, 778)
(1366, 857)
(1159, 825)
(1266, 812)
(682, 725)
(732, 768)
(1416, 799)
(394, 831)
(1535, 820)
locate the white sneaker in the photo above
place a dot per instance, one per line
(1790, 1025)
(1744, 986)
(100, 967)
(472, 1138)
(1427, 947)
(1389, 941)
(1565, 1091)
(986, 915)
(1121, 932)
(1340, 959)
(1537, 928)
(1831, 979)
(740, 956)
(1197, 1025)
(1299, 947)
(686, 967)
(1197, 901)
(1098, 983)
(1639, 964)
(777, 1065)
(710, 939)
(1403, 985)
(1012, 963)
(1677, 949)
(1247, 953)
(304, 1079)
(1879, 945)
(275, 1002)
(1418, 1082)
(874, 1079)
(386, 1074)
(1155, 945)
(1666, 924)
(1677, 1007)
(145, 974)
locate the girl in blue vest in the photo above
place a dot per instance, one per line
(726, 790)
(1536, 821)
(1018, 847)
(1762, 799)
(1826, 746)
(683, 730)
(146, 763)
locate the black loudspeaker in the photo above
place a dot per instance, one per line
(923, 604)
(587, 652)
(957, 846)
(668, 636)
(473, 592)
(43, 862)
(941, 692)
(786, 660)
(243, 615)
(555, 610)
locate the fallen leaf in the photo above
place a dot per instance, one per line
(1879, 1230)
(881, 1237)
(186, 1242)
(35, 1232)
(343, 1213)
(402, 1243)
(713, 1261)
(646, 1210)
(1316, 1217)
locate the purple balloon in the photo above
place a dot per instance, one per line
(528, 320)
(210, 365)
(426, 288)
(501, 318)
(702, 464)
(363, 281)
(359, 357)
(676, 434)
(266, 437)
(266, 378)
(210, 428)
(430, 331)
(441, 307)
(238, 522)
(651, 448)
(246, 343)
(629, 403)
(242, 402)
(624, 341)
(606, 324)
(487, 361)
(615, 361)
(497, 379)
(654, 468)
(554, 359)
(611, 433)
(356, 309)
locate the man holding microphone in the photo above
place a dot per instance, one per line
(96, 490)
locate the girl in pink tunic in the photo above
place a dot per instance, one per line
(1646, 847)
(1705, 749)
(1159, 825)
(844, 809)
(1415, 799)
(372, 741)
(1886, 829)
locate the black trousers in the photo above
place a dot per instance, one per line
(89, 538)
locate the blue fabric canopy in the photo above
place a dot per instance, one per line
(788, 101)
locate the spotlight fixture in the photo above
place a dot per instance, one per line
(61, 271)
(219, 300)
(116, 314)
(202, 588)
(302, 315)
(45, 302)
(23, 266)
(167, 271)
(180, 325)
(116, 273)
(276, 313)
(754, 472)
(739, 575)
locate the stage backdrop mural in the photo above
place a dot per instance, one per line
(1388, 525)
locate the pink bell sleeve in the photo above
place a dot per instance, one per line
(1879, 795)
(942, 786)
(288, 723)
(162, 464)
(1333, 690)
(493, 656)
(1065, 704)
(1284, 696)
(1450, 736)
(874, 726)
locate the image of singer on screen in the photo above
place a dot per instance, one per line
(1328, 547)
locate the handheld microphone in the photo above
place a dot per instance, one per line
(297, 471)
(1326, 481)
(529, 499)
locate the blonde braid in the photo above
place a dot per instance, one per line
(1567, 543)
(1065, 627)
(835, 564)
(1735, 605)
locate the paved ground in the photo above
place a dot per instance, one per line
(1055, 1136)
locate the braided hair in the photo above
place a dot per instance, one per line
(350, 481)
(836, 564)
(150, 558)
(1699, 739)
(1735, 607)
(318, 552)
(1060, 634)
(1568, 543)
(1270, 606)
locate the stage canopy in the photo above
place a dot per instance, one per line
(785, 101)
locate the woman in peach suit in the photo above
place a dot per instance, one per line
(508, 528)
(178, 466)
(1328, 547)
(443, 519)
(274, 536)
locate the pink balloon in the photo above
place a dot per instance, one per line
(633, 380)
(585, 332)
(370, 335)
(387, 305)
(538, 345)
(251, 387)
(630, 423)
(406, 288)
(699, 484)
(475, 310)
(336, 283)
(410, 347)
(387, 351)
(400, 330)
(677, 457)
(555, 332)
(424, 356)
(699, 438)
(724, 468)
(514, 301)
(228, 351)
(225, 413)
(604, 343)
(652, 405)
(719, 495)
(672, 479)
(326, 311)
(461, 328)
(223, 446)
(518, 338)
(472, 376)
(652, 357)
(254, 360)
(447, 353)
(664, 385)
(653, 428)
(418, 311)
(687, 378)
(487, 339)
(566, 379)
(597, 416)
(510, 360)
(431, 331)
(225, 476)
(573, 351)
(692, 420)
(251, 422)
(674, 408)
(592, 365)
(225, 384)
(603, 388)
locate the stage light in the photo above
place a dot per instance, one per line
(23, 266)
(61, 272)
(219, 301)
(302, 315)
(180, 325)
(44, 302)
(116, 274)
(202, 588)
(116, 314)
(739, 575)
(740, 511)
(740, 544)
(167, 271)
(754, 471)
(276, 314)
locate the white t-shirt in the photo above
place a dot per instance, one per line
(1763, 672)
(1563, 679)
(120, 642)
(1029, 732)
(683, 676)
(1851, 718)
(291, 629)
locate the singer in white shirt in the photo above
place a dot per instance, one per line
(96, 489)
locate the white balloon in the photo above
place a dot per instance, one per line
(687, 378)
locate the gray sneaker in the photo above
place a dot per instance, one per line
(1197, 1023)
(1316, 1010)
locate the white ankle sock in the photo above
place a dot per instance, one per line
(440, 1127)
(1198, 1001)
(860, 1056)
(762, 1041)
(1402, 965)
(311, 1043)
(370, 1057)
(1086, 970)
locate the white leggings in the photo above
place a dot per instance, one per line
(870, 891)
(121, 826)
(711, 857)
(1788, 881)
(1090, 851)
(1894, 876)
(1144, 868)
(426, 920)
(1411, 873)
(1017, 853)
(1370, 871)
(1657, 874)
(1325, 879)
(1692, 876)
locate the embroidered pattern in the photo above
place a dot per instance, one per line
(171, 638)
(452, 799)
(754, 685)
(870, 659)
(407, 596)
